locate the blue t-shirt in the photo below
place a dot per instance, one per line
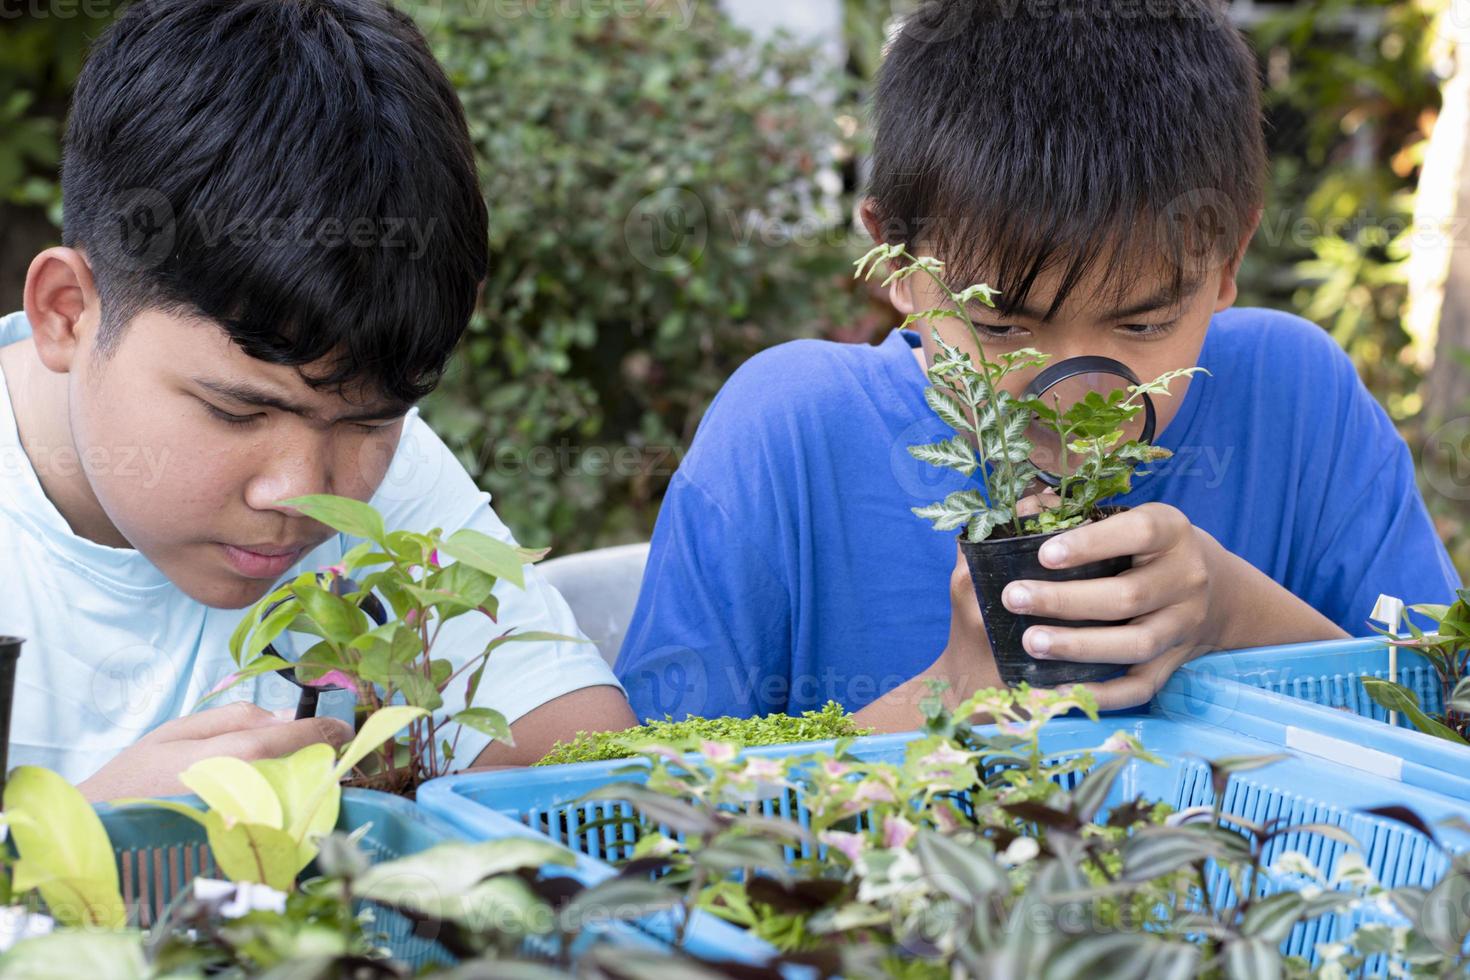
(787, 568)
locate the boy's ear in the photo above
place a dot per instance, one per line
(901, 293)
(1228, 288)
(62, 304)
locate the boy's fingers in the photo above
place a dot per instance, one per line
(281, 738)
(1137, 687)
(240, 716)
(1133, 643)
(1115, 598)
(1035, 503)
(1144, 530)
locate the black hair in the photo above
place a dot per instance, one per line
(1017, 136)
(297, 171)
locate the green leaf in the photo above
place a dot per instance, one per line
(1460, 697)
(1396, 697)
(1089, 797)
(1153, 852)
(253, 852)
(966, 874)
(1252, 959)
(1223, 768)
(1272, 918)
(235, 790)
(486, 721)
(469, 883)
(64, 850)
(380, 726)
(954, 511)
(626, 899)
(948, 409)
(339, 620)
(76, 953)
(260, 665)
(1123, 956)
(490, 555)
(298, 779)
(954, 453)
(352, 517)
(533, 636)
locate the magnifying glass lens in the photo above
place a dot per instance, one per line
(1061, 397)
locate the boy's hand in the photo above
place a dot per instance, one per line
(151, 766)
(1179, 601)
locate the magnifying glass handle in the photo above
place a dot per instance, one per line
(306, 706)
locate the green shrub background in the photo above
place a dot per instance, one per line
(663, 206)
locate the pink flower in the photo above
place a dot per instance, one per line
(897, 832)
(757, 770)
(337, 570)
(411, 617)
(434, 558)
(834, 768)
(333, 678)
(869, 791)
(850, 846)
(717, 752)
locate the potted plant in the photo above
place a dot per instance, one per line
(1448, 651)
(991, 439)
(426, 580)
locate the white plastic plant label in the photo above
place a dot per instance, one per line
(1389, 611)
(17, 923)
(238, 899)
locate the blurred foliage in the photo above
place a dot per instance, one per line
(644, 175)
(42, 45)
(1352, 92)
(631, 161)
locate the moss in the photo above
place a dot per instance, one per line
(813, 726)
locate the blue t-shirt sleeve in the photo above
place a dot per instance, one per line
(711, 618)
(1375, 535)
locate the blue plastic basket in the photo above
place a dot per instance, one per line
(1310, 698)
(1296, 789)
(159, 853)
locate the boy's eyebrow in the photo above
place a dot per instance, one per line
(1164, 297)
(249, 394)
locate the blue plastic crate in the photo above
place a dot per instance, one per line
(1301, 790)
(159, 853)
(1309, 697)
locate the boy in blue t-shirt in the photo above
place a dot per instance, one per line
(274, 238)
(1102, 167)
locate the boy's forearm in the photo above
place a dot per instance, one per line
(1254, 610)
(898, 711)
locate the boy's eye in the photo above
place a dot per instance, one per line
(1148, 329)
(229, 419)
(999, 331)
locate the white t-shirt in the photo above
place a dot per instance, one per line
(113, 648)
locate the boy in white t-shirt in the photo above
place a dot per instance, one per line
(274, 237)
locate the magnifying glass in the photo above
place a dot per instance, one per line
(1068, 382)
(311, 695)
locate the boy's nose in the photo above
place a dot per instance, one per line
(291, 473)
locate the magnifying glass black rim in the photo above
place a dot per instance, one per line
(370, 604)
(1089, 364)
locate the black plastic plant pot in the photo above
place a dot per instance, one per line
(996, 563)
(9, 654)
